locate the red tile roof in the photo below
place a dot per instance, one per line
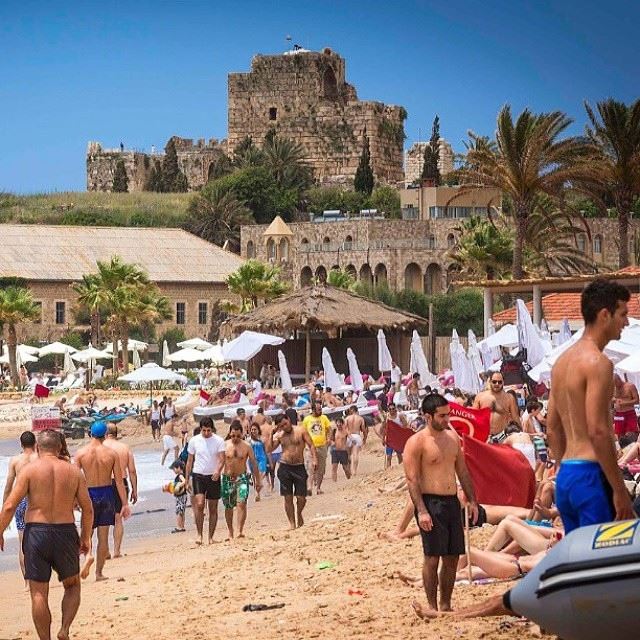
(557, 306)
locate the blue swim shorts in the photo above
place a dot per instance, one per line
(104, 505)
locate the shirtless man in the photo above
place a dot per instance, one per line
(169, 442)
(291, 472)
(589, 485)
(358, 436)
(339, 444)
(16, 464)
(625, 398)
(235, 479)
(432, 459)
(52, 487)
(504, 408)
(128, 466)
(241, 416)
(101, 467)
(259, 418)
(329, 399)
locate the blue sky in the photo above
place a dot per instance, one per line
(140, 71)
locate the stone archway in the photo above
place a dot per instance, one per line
(321, 274)
(329, 84)
(380, 274)
(413, 277)
(251, 250)
(352, 271)
(366, 275)
(433, 279)
(306, 276)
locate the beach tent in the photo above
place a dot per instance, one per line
(195, 343)
(354, 371)
(285, 377)
(214, 354)
(55, 348)
(186, 355)
(165, 354)
(248, 344)
(384, 355)
(331, 377)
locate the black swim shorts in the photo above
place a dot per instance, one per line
(293, 479)
(205, 485)
(446, 538)
(339, 456)
(50, 546)
(115, 490)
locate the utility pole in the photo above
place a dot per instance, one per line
(432, 341)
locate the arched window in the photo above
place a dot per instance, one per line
(306, 276)
(326, 243)
(431, 241)
(413, 277)
(271, 249)
(366, 275)
(582, 242)
(321, 274)
(597, 244)
(251, 250)
(329, 84)
(348, 243)
(284, 249)
(433, 279)
(451, 241)
(380, 274)
(352, 271)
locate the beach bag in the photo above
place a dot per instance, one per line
(184, 454)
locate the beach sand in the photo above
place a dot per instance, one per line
(167, 587)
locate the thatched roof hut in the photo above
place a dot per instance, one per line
(322, 308)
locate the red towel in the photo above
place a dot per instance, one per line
(397, 436)
(41, 391)
(204, 397)
(501, 475)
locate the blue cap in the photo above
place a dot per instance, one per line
(99, 429)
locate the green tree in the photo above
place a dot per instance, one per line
(340, 278)
(256, 281)
(363, 181)
(527, 160)
(321, 199)
(483, 249)
(430, 169)
(173, 180)
(386, 200)
(155, 181)
(172, 336)
(120, 180)
(612, 172)
(461, 310)
(16, 306)
(92, 296)
(246, 154)
(285, 160)
(216, 215)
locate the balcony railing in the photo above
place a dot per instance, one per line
(334, 247)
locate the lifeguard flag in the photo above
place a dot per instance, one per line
(396, 436)
(41, 391)
(470, 422)
(501, 475)
(204, 397)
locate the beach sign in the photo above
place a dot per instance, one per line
(45, 417)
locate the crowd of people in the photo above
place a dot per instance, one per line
(567, 437)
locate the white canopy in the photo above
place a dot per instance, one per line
(248, 344)
(195, 343)
(354, 371)
(131, 343)
(186, 355)
(506, 336)
(285, 378)
(214, 354)
(331, 377)
(384, 355)
(91, 353)
(22, 355)
(55, 348)
(165, 354)
(151, 372)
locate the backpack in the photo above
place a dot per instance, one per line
(184, 454)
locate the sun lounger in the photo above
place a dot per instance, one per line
(217, 411)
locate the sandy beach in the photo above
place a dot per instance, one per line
(166, 587)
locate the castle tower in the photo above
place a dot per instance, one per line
(277, 239)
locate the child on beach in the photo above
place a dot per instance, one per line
(260, 453)
(179, 490)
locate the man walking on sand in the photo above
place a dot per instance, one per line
(129, 479)
(101, 467)
(358, 433)
(235, 479)
(52, 487)
(291, 472)
(318, 427)
(205, 462)
(432, 459)
(504, 408)
(589, 485)
(169, 442)
(16, 464)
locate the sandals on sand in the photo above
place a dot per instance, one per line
(176, 530)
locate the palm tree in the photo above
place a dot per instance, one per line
(340, 278)
(285, 159)
(92, 297)
(246, 154)
(612, 172)
(483, 249)
(216, 215)
(527, 159)
(16, 306)
(255, 281)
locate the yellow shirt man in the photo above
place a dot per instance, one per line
(318, 428)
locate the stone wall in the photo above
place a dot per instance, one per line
(194, 159)
(414, 160)
(304, 96)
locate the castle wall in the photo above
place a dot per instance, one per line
(414, 160)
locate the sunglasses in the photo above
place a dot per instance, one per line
(497, 382)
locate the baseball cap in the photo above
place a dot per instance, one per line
(99, 429)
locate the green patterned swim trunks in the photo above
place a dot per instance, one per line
(234, 490)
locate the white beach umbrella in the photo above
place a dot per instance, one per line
(354, 371)
(506, 336)
(195, 343)
(91, 353)
(331, 377)
(528, 337)
(27, 348)
(132, 344)
(55, 348)
(419, 360)
(285, 377)
(475, 361)
(461, 376)
(384, 355)
(165, 355)
(248, 344)
(151, 372)
(68, 365)
(214, 354)
(186, 355)
(565, 332)
(136, 358)
(22, 353)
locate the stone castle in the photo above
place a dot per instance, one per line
(301, 94)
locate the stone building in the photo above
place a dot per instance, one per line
(187, 269)
(195, 160)
(414, 160)
(407, 254)
(304, 96)
(427, 202)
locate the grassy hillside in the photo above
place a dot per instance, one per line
(143, 209)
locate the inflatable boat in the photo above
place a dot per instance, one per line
(588, 586)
